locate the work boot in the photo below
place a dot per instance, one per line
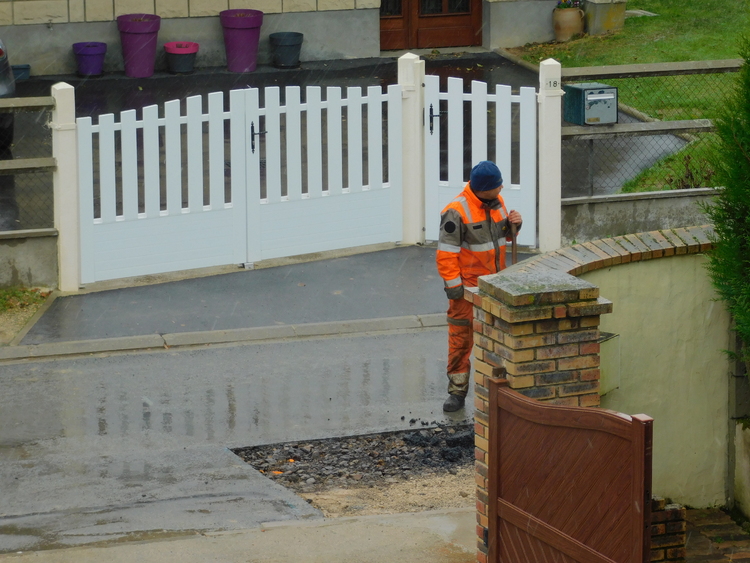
(454, 403)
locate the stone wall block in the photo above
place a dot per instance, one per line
(541, 287)
(524, 314)
(520, 329)
(535, 341)
(632, 251)
(6, 13)
(589, 308)
(605, 259)
(577, 336)
(607, 249)
(646, 252)
(679, 246)
(39, 11)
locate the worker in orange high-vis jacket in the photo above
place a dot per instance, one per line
(473, 231)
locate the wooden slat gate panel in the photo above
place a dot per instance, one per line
(567, 483)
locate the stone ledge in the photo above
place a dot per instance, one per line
(580, 258)
(542, 287)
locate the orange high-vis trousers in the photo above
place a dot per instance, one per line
(460, 343)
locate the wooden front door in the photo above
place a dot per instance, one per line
(427, 24)
(567, 484)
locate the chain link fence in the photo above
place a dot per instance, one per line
(26, 199)
(649, 162)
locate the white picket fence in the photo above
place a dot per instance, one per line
(493, 117)
(179, 188)
(164, 203)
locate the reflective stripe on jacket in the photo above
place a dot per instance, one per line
(472, 238)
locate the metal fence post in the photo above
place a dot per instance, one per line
(65, 186)
(550, 161)
(411, 80)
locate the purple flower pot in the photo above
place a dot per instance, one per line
(138, 33)
(90, 57)
(241, 38)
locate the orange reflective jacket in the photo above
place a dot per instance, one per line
(472, 239)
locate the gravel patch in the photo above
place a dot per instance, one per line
(365, 461)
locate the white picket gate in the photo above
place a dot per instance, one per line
(171, 190)
(495, 121)
(160, 201)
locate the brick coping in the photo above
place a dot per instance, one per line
(588, 256)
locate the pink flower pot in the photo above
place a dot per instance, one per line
(181, 56)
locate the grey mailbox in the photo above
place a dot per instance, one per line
(590, 103)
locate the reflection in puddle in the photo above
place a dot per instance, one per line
(318, 397)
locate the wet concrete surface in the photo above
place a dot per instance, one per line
(231, 395)
(112, 445)
(100, 447)
(430, 537)
(390, 283)
(96, 448)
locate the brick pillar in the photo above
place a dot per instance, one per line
(540, 330)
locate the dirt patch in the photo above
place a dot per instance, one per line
(416, 494)
(13, 320)
(408, 471)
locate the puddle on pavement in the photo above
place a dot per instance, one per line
(16, 538)
(282, 395)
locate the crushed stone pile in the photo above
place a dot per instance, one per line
(363, 461)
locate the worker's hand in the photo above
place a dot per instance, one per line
(455, 292)
(515, 217)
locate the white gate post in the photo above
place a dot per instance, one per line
(411, 80)
(550, 162)
(65, 186)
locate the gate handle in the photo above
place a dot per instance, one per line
(253, 134)
(434, 115)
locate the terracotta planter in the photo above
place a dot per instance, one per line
(567, 22)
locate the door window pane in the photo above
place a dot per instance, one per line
(431, 7)
(390, 8)
(458, 6)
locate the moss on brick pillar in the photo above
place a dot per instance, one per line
(542, 328)
(539, 330)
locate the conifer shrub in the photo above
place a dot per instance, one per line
(729, 261)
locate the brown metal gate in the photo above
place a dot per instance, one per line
(567, 483)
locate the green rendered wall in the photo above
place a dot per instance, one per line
(672, 367)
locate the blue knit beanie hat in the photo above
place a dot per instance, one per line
(485, 176)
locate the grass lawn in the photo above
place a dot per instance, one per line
(19, 298)
(682, 31)
(685, 169)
